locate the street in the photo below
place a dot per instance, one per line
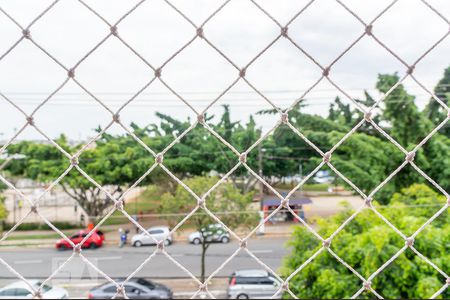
(116, 262)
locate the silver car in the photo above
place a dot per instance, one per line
(253, 284)
(21, 290)
(135, 288)
(214, 233)
(158, 233)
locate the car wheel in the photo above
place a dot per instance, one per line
(62, 248)
(137, 244)
(242, 296)
(167, 242)
(196, 241)
(93, 246)
(226, 240)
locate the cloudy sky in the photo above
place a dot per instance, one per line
(198, 73)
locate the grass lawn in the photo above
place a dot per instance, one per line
(43, 236)
(309, 187)
(146, 203)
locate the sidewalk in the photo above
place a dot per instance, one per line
(112, 237)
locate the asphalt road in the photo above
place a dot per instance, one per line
(116, 262)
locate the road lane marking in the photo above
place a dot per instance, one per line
(108, 258)
(262, 251)
(22, 262)
(177, 255)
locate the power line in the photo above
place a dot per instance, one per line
(212, 92)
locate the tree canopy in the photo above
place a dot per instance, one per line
(366, 157)
(366, 243)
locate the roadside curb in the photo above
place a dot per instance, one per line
(50, 243)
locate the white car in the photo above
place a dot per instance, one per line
(159, 233)
(253, 284)
(21, 290)
(214, 233)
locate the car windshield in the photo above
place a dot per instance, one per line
(145, 283)
(45, 288)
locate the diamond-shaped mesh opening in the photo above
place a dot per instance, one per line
(432, 30)
(152, 16)
(323, 268)
(421, 278)
(49, 34)
(26, 77)
(324, 37)
(242, 34)
(413, 205)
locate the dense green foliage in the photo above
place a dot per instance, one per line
(366, 243)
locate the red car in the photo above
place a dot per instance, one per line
(95, 240)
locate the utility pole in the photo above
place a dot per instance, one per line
(300, 171)
(261, 190)
(260, 173)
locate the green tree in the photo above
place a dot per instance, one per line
(407, 124)
(366, 243)
(114, 162)
(434, 110)
(225, 200)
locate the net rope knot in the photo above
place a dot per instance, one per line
(158, 72)
(200, 33)
(447, 281)
(71, 73)
(203, 287)
(326, 243)
(368, 202)
(243, 244)
(201, 119)
(161, 246)
(285, 286)
(409, 241)
(410, 69)
(243, 158)
(285, 203)
(119, 205)
(114, 30)
(30, 120)
(242, 72)
(116, 118)
(327, 157)
(120, 291)
(33, 209)
(201, 202)
(77, 249)
(410, 156)
(326, 71)
(37, 294)
(284, 118)
(26, 33)
(368, 29)
(367, 285)
(284, 31)
(159, 158)
(74, 160)
(368, 116)
(448, 201)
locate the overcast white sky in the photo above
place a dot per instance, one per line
(199, 74)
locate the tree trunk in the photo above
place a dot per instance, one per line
(202, 262)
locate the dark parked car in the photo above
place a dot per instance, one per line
(135, 288)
